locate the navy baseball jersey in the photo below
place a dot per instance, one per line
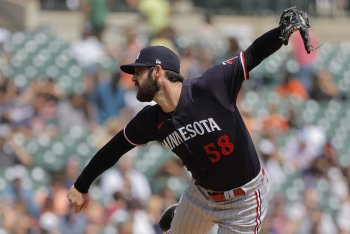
(206, 129)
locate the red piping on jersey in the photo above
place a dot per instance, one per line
(244, 64)
(128, 139)
(159, 126)
(258, 211)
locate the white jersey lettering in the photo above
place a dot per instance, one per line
(213, 124)
(198, 128)
(204, 122)
(190, 131)
(183, 134)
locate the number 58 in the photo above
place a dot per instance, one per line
(223, 146)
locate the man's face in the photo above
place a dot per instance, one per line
(147, 86)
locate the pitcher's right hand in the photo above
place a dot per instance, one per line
(77, 199)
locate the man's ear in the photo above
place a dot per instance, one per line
(158, 71)
(158, 68)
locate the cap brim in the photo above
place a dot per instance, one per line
(130, 68)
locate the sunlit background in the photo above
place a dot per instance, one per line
(62, 97)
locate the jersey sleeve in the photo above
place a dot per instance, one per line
(237, 66)
(104, 159)
(225, 79)
(138, 130)
(262, 47)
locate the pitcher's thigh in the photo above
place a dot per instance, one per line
(189, 219)
(248, 218)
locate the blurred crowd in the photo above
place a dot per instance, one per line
(309, 184)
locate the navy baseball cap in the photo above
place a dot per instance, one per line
(152, 56)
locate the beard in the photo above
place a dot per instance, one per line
(147, 89)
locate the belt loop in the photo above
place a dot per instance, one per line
(227, 195)
(232, 193)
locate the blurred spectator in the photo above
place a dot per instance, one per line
(44, 95)
(95, 14)
(128, 47)
(17, 220)
(307, 62)
(155, 12)
(72, 223)
(15, 106)
(126, 179)
(22, 115)
(4, 36)
(11, 153)
(277, 221)
(105, 133)
(275, 121)
(316, 170)
(343, 216)
(339, 185)
(117, 202)
(155, 207)
(133, 220)
(300, 151)
(330, 154)
(209, 40)
(73, 111)
(325, 166)
(190, 65)
(19, 194)
(293, 118)
(232, 48)
(169, 197)
(96, 217)
(88, 50)
(308, 217)
(172, 167)
(117, 206)
(48, 220)
(166, 37)
(141, 222)
(268, 152)
(57, 194)
(70, 171)
(291, 87)
(108, 98)
(324, 88)
(47, 87)
(170, 180)
(7, 89)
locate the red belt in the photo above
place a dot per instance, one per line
(222, 196)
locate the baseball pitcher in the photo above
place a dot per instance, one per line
(197, 118)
